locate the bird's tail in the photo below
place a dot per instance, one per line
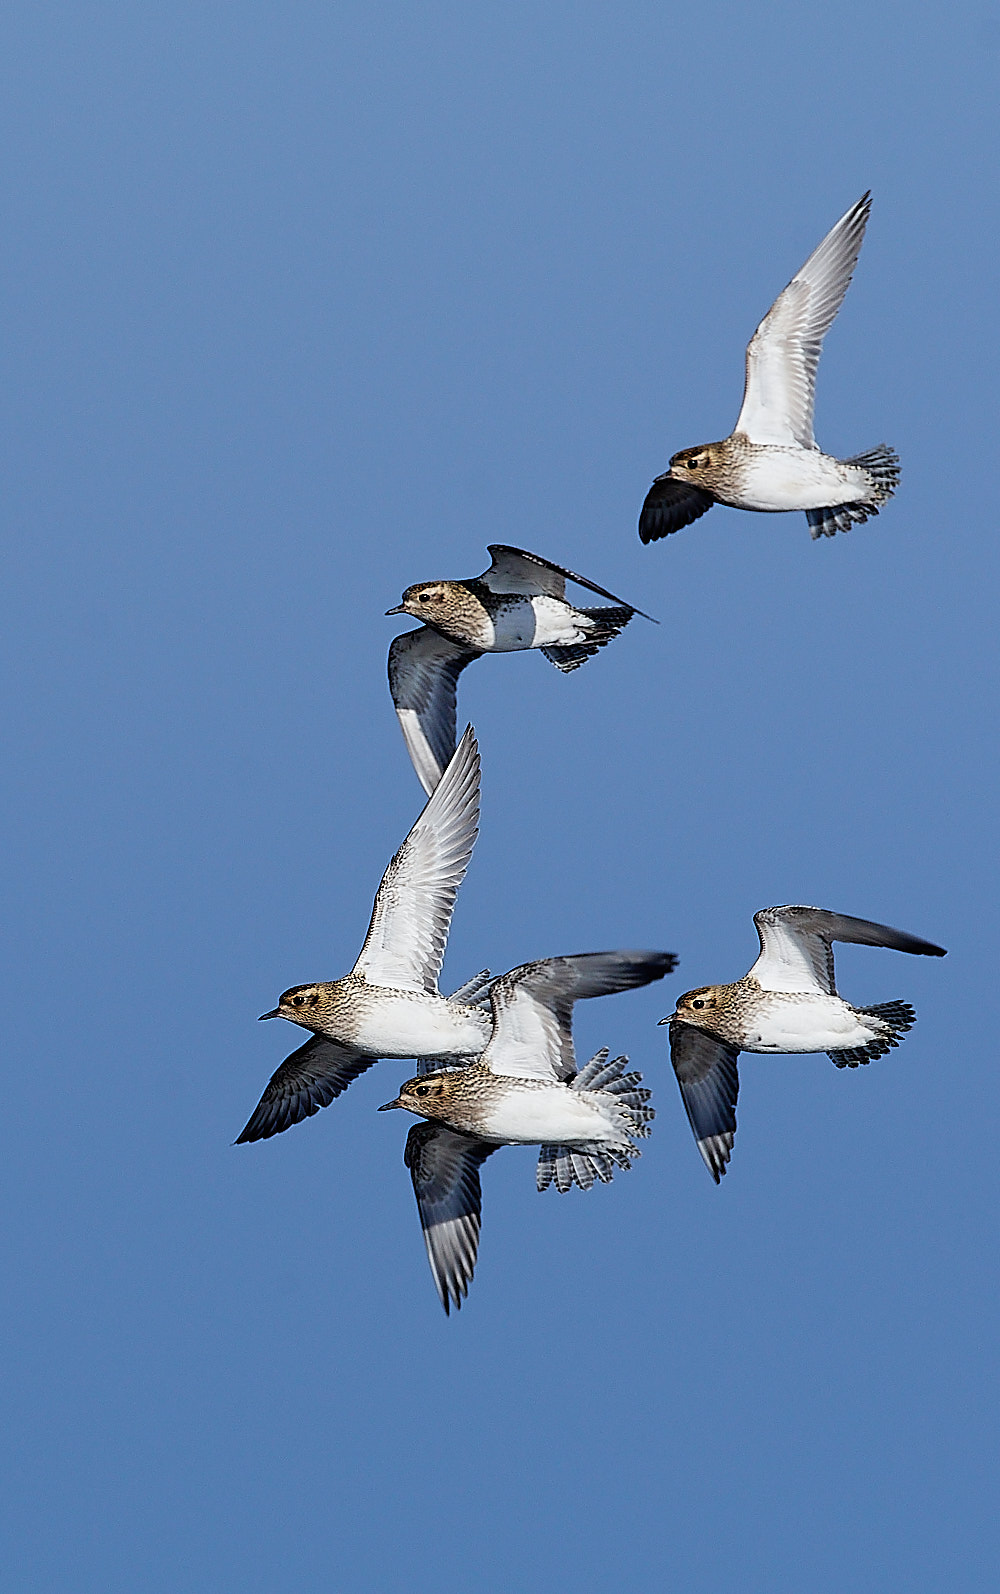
(628, 1115)
(882, 467)
(892, 1019)
(606, 625)
(475, 992)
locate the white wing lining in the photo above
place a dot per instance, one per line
(404, 947)
(783, 353)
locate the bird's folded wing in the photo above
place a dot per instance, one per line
(516, 570)
(309, 1079)
(783, 353)
(533, 1007)
(668, 506)
(707, 1073)
(409, 926)
(424, 668)
(444, 1166)
(796, 953)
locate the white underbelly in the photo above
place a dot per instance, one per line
(552, 1115)
(799, 478)
(541, 622)
(422, 1026)
(820, 1024)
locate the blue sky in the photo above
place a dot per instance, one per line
(303, 305)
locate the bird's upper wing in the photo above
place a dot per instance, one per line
(516, 570)
(309, 1079)
(444, 1165)
(424, 668)
(784, 351)
(710, 1083)
(533, 1007)
(796, 952)
(404, 947)
(669, 505)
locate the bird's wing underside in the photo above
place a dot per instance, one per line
(424, 668)
(783, 353)
(796, 953)
(444, 1165)
(707, 1073)
(404, 947)
(669, 505)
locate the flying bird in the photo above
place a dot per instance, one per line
(519, 602)
(524, 1090)
(389, 1004)
(771, 461)
(787, 1002)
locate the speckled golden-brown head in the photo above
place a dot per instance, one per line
(691, 464)
(429, 1095)
(302, 1004)
(449, 606)
(700, 1006)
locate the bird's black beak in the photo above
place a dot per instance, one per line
(399, 609)
(669, 1018)
(275, 1014)
(386, 1105)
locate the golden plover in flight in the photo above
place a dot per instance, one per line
(519, 602)
(389, 1005)
(787, 1002)
(524, 1090)
(771, 461)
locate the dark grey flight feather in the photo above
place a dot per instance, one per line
(552, 985)
(444, 1165)
(708, 1076)
(668, 506)
(842, 927)
(309, 1079)
(815, 929)
(504, 568)
(424, 668)
(475, 992)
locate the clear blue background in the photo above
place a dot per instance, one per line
(301, 304)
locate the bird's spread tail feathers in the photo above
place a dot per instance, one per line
(565, 1166)
(475, 992)
(607, 623)
(882, 466)
(893, 1019)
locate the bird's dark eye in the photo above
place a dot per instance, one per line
(298, 1000)
(422, 1090)
(693, 464)
(698, 1002)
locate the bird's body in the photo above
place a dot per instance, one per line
(771, 461)
(518, 603)
(524, 1090)
(757, 1020)
(394, 1023)
(768, 477)
(511, 1111)
(788, 1002)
